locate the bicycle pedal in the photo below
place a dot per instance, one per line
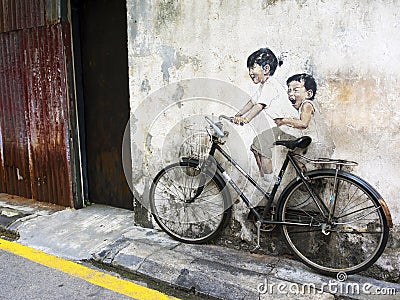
(264, 227)
(254, 250)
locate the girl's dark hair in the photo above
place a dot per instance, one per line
(263, 57)
(309, 82)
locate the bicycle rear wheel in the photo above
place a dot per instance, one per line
(186, 219)
(354, 238)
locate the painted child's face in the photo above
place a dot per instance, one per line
(258, 74)
(297, 93)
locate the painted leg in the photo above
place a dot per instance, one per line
(258, 161)
(266, 165)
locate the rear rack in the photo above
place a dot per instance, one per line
(328, 161)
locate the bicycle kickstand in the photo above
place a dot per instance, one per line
(258, 225)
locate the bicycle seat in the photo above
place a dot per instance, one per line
(301, 142)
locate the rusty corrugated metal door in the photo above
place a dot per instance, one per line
(47, 116)
(15, 161)
(35, 67)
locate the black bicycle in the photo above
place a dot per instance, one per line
(333, 220)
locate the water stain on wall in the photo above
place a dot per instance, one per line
(145, 87)
(178, 95)
(166, 11)
(354, 100)
(268, 3)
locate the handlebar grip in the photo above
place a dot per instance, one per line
(230, 119)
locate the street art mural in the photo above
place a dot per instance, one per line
(333, 78)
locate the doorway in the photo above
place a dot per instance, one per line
(101, 69)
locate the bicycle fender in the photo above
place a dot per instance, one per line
(386, 211)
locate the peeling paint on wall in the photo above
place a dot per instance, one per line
(172, 58)
(168, 56)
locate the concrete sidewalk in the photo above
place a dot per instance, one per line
(108, 235)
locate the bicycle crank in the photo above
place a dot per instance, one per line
(326, 229)
(264, 227)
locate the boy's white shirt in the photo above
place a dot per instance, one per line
(277, 105)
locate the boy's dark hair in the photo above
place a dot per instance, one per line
(263, 57)
(309, 82)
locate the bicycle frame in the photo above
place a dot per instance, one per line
(269, 196)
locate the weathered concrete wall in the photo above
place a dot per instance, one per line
(351, 47)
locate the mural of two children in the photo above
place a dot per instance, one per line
(295, 113)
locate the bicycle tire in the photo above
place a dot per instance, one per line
(196, 222)
(356, 239)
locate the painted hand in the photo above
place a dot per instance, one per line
(240, 120)
(279, 121)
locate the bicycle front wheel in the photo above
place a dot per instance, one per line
(351, 240)
(183, 215)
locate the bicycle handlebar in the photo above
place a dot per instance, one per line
(225, 117)
(216, 129)
(230, 119)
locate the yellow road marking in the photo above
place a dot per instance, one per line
(95, 277)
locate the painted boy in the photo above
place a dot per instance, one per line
(301, 91)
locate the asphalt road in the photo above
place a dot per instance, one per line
(26, 273)
(21, 278)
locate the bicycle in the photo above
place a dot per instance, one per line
(331, 219)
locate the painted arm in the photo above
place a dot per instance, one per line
(302, 123)
(245, 108)
(254, 111)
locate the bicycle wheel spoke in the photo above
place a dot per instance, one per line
(170, 191)
(371, 209)
(355, 202)
(171, 184)
(351, 209)
(345, 207)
